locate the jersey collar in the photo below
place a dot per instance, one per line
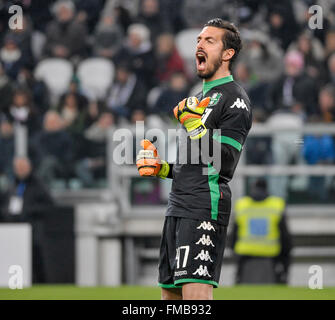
(207, 86)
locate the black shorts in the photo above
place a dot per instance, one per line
(191, 251)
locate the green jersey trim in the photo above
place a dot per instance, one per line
(168, 286)
(213, 182)
(207, 86)
(214, 283)
(228, 140)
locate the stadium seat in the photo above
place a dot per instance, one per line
(186, 41)
(96, 76)
(57, 74)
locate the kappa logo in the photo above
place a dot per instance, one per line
(206, 241)
(239, 104)
(206, 226)
(180, 273)
(203, 256)
(202, 271)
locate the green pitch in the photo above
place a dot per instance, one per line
(55, 292)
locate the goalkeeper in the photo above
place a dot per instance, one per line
(215, 122)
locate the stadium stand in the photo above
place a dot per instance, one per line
(63, 63)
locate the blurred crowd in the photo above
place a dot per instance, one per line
(287, 68)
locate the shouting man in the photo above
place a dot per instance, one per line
(199, 206)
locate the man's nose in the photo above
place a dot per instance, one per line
(200, 45)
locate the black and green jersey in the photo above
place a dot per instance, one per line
(204, 167)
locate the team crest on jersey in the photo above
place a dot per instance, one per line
(215, 98)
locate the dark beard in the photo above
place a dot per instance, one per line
(210, 73)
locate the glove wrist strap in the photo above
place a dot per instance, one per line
(197, 131)
(164, 171)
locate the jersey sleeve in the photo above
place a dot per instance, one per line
(233, 121)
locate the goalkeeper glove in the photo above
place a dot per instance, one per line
(189, 112)
(149, 163)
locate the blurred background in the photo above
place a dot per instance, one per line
(78, 70)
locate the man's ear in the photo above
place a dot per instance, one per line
(228, 54)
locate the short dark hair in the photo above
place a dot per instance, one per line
(231, 38)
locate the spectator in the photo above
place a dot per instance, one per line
(92, 165)
(23, 39)
(38, 88)
(66, 37)
(325, 18)
(124, 11)
(261, 239)
(261, 55)
(327, 103)
(99, 129)
(248, 15)
(74, 117)
(172, 10)
(4, 17)
(176, 91)
(27, 201)
(89, 12)
(138, 52)
(54, 146)
(321, 149)
(242, 74)
(40, 13)
(313, 53)
(6, 90)
(318, 150)
(330, 43)
(6, 147)
(127, 93)
(23, 111)
(197, 12)
(94, 110)
(294, 90)
(283, 27)
(331, 69)
(151, 16)
(75, 89)
(123, 17)
(168, 59)
(137, 115)
(11, 57)
(108, 37)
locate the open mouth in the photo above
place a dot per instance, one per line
(201, 60)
